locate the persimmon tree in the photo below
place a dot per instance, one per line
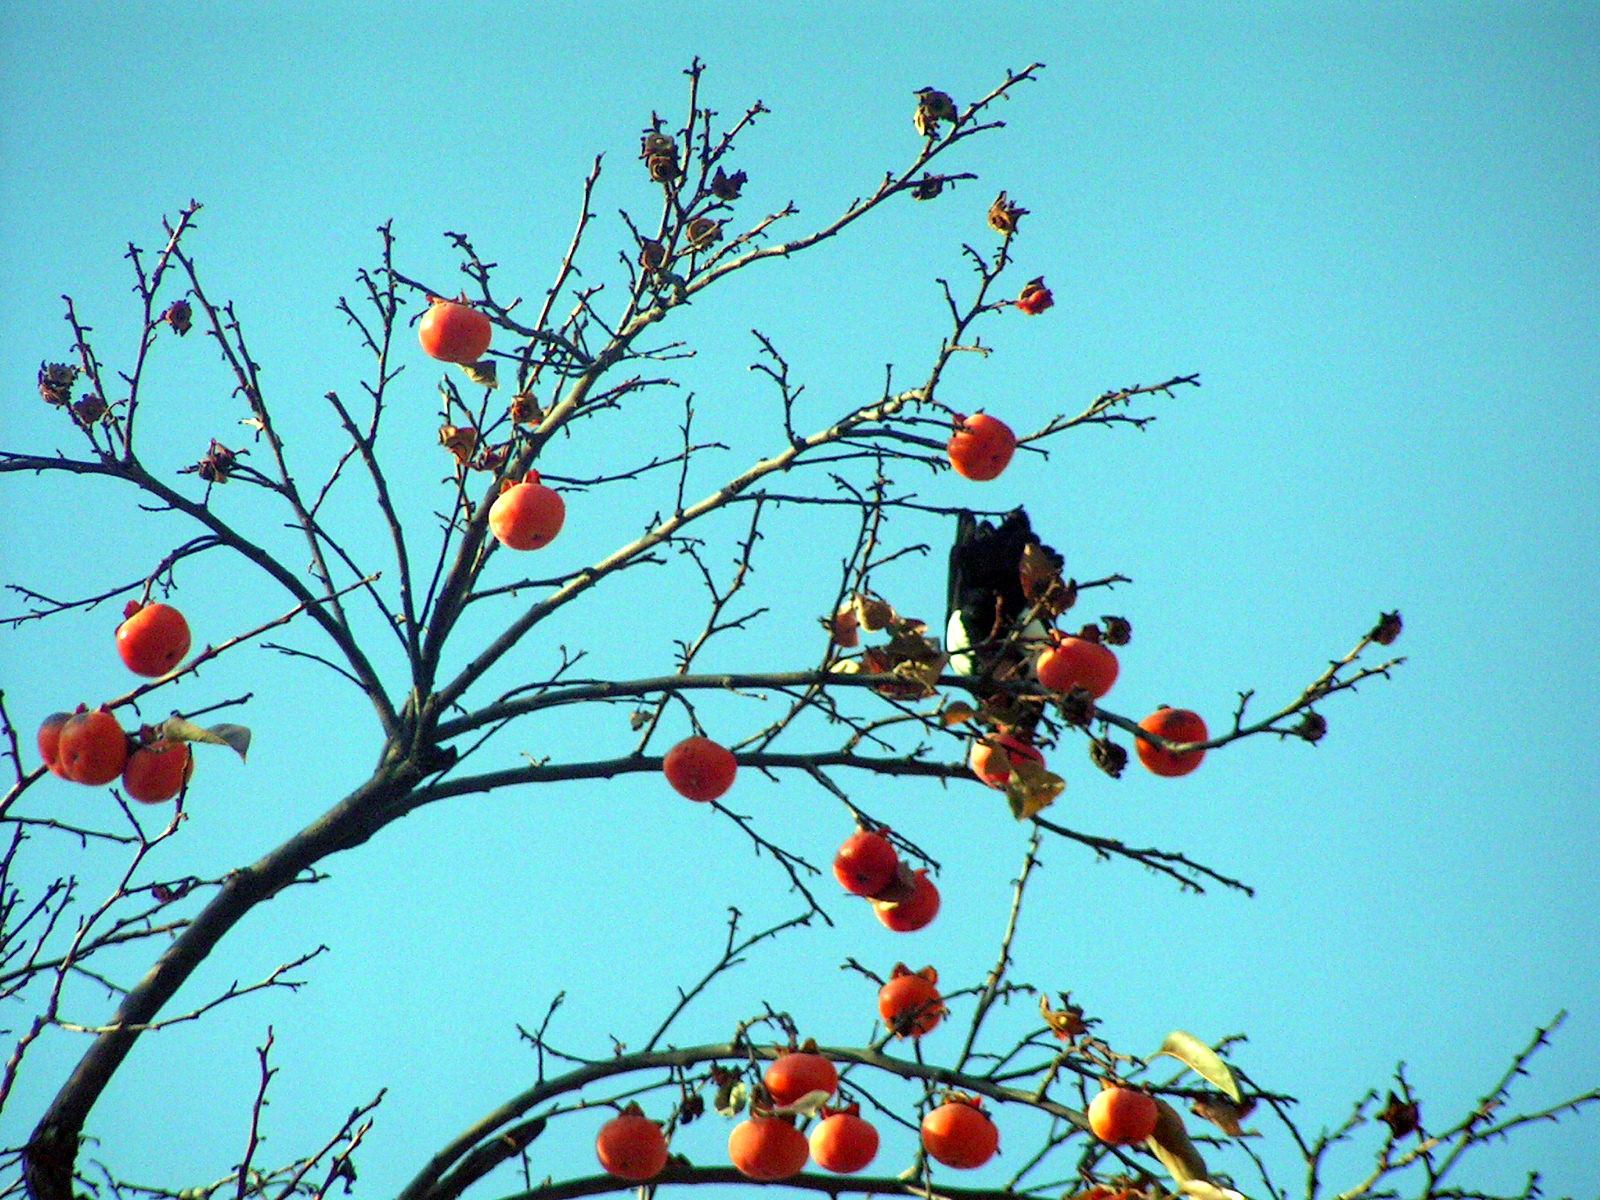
(423, 621)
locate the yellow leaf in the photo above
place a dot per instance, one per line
(1031, 789)
(1202, 1060)
(460, 440)
(923, 674)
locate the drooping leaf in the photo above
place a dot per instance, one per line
(460, 440)
(922, 674)
(874, 614)
(1223, 1113)
(1004, 215)
(181, 729)
(843, 627)
(1031, 789)
(732, 1096)
(806, 1106)
(235, 736)
(483, 373)
(1170, 1143)
(1202, 1060)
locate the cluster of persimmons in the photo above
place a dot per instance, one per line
(958, 1132)
(767, 1145)
(89, 746)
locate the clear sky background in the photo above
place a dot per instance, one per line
(1370, 228)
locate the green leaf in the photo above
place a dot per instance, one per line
(180, 729)
(731, 1098)
(1202, 1060)
(807, 1106)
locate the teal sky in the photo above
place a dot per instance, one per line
(1370, 229)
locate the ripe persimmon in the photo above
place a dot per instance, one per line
(1176, 725)
(767, 1148)
(915, 911)
(699, 768)
(157, 771)
(1120, 1116)
(631, 1146)
(50, 742)
(981, 446)
(791, 1077)
(527, 515)
(153, 639)
(960, 1134)
(92, 747)
(995, 769)
(454, 332)
(910, 1003)
(1073, 662)
(843, 1142)
(866, 863)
